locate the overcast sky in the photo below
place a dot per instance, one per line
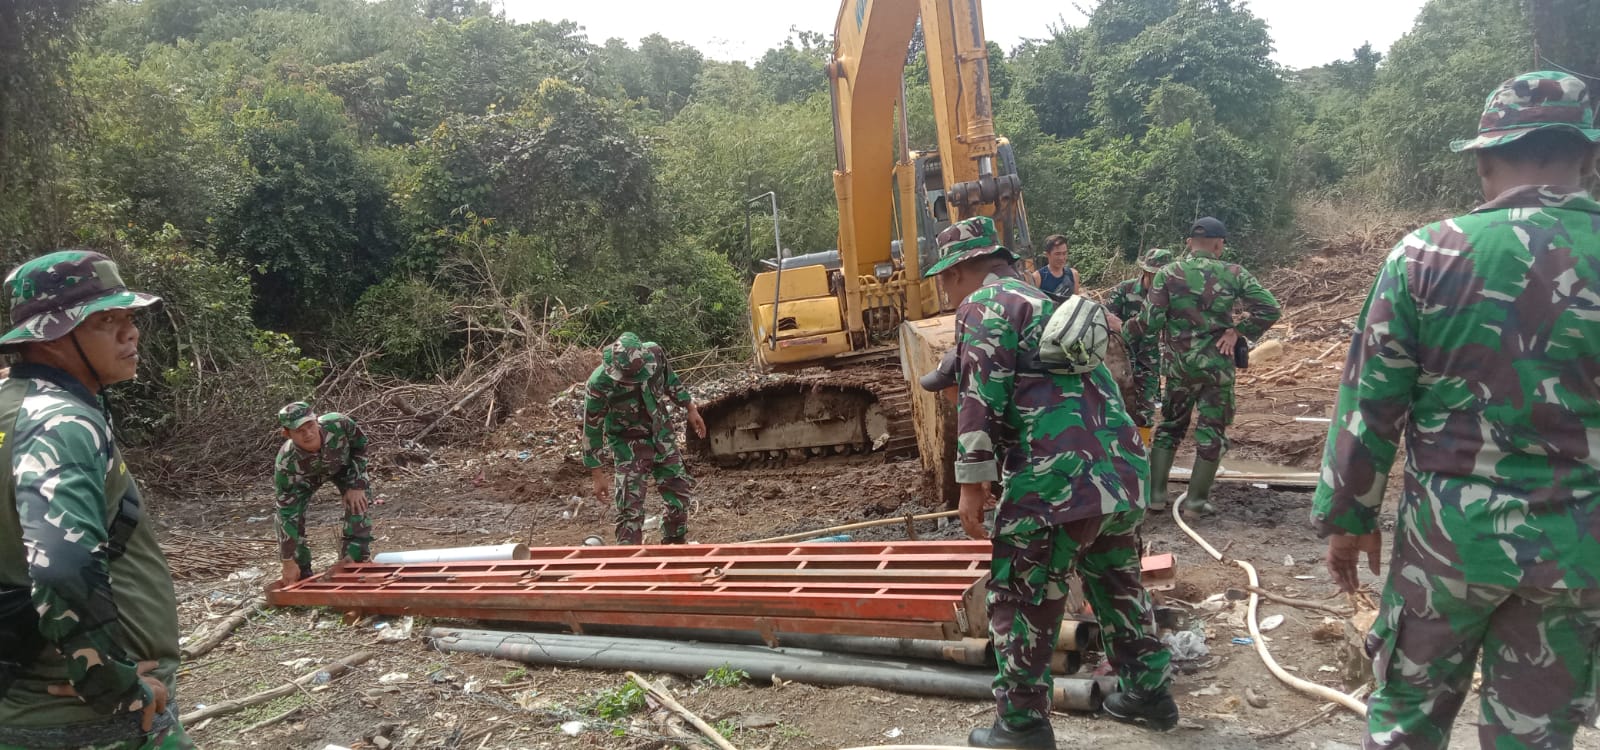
(1305, 32)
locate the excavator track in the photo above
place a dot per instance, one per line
(861, 407)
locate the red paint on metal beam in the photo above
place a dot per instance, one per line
(901, 589)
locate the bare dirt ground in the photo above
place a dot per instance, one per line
(520, 486)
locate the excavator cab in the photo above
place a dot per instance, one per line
(933, 215)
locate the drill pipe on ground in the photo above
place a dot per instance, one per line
(762, 664)
(974, 652)
(1076, 635)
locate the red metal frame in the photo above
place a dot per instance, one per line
(894, 589)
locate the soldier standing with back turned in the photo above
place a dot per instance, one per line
(1070, 502)
(1190, 311)
(1481, 343)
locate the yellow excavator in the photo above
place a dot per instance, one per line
(856, 326)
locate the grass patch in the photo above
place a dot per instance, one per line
(287, 638)
(725, 676)
(267, 710)
(619, 702)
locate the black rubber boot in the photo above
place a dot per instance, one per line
(305, 572)
(1160, 469)
(1200, 481)
(1037, 737)
(1153, 708)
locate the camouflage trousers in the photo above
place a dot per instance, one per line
(356, 541)
(637, 460)
(1028, 584)
(1147, 381)
(1539, 662)
(171, 738)
(1213, 402)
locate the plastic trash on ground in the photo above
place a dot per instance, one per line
(1186, 645)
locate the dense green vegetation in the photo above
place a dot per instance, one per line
(328, 177)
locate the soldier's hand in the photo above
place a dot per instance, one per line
(291, 572)
(355, 501)
(1344, 556)
(1114, 323)
(158, 693)
(1230, 338)
(973, 498)
(697, 422)
(602, 485)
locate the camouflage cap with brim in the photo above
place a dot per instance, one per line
(1544, 100)
(52, 294)
(628, 360)
(295, 414)
(965, 240)
(1154, 259)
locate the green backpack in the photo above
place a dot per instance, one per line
(1074, 339)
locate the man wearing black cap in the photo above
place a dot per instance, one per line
(1190, 310)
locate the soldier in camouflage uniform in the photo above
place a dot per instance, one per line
(1071, 500)
(626, 410)
(88, 620)
(1480, 342)
(315, 450)
(1190, 315)
(1127, 303)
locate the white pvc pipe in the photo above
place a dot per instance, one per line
(511, 551)
(1349, 702)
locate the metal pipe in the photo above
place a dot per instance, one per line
(511, 551)
(855, 526)
(1077, 635)
(970, 651)
(777, 278)
(905, 132)
(762, 664)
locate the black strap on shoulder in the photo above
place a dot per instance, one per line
(122, 517)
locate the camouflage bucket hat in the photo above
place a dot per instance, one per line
(1154, 259)
(1545, 100)
(295, 414)
(52, 294)
(627, 360)
(965, 240)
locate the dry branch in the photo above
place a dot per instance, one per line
(225, 708)
(220, 631)
(1298, 603)
(667, 700)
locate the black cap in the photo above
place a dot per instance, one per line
(1208, 226)
(943, 376)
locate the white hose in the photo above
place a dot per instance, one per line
(1305, 686)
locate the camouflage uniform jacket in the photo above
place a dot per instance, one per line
(343, 459)
(1481, 340)
(100, 616)
(1071, 451)
(615, 411)
(1128, 301)
(1191, 304)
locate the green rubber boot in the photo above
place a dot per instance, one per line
(1200, 481)
(1160, 469)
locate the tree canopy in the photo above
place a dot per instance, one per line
(355, 174)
